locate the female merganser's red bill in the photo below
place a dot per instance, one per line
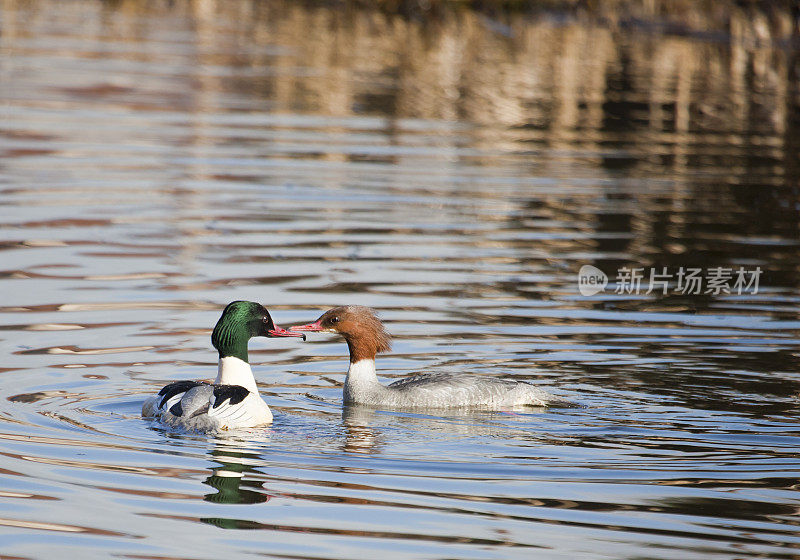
(278, 331)
(365, 336)
(232, 401)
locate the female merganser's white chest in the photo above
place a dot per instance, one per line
(361, 383)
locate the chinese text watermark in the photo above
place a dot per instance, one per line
(683, 280)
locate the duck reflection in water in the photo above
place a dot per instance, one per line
(230, 485)
(360, 435)
(365, 426)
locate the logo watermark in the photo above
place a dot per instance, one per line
(684, 280)
(591, 280)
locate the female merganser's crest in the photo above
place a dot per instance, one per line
(232, 401)
(366, 336)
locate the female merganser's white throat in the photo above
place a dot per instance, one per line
(232, 401)
(366, 336)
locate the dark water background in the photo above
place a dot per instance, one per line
(454, 170)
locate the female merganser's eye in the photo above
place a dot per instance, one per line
(334, 320)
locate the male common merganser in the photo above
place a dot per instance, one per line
(366, 336)
(232, 401)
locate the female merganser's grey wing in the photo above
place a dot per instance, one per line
(449, 379)
(450, 389)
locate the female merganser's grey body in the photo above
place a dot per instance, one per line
(366, 336)
(232, 401)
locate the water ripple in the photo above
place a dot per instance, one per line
(159, 161)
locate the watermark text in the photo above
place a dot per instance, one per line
(682, 280)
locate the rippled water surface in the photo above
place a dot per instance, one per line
(158, 160)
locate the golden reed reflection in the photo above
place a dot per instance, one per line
(656, 88)
(698, 98)
(695, 61)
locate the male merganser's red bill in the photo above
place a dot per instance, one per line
(278, 331)
(232, 401)
(366, 337)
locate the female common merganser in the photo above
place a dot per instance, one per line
(232, 401)
(366, 336)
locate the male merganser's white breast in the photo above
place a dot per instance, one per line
(235, 371)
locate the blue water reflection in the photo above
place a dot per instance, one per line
(454, 171)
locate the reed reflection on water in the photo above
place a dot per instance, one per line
(454, 171)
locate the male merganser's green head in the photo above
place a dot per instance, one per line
(241, 321)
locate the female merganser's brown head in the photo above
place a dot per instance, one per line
(360, 327)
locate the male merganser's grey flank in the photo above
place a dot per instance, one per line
(232, 401)
(366, 336)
